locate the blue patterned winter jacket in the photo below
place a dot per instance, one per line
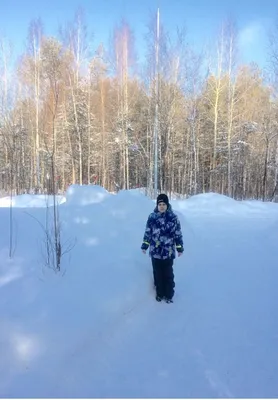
(163, 234)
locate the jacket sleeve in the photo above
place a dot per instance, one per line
(178, 237)
(147, 235)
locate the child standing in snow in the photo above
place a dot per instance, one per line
(163, 236)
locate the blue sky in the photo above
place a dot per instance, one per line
(201, 17)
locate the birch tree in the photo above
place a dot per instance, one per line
(75, 39)
(34, 51)
(124, 57)
(230, 37)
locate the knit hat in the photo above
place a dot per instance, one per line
(162, 198)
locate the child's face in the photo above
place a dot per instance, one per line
(162, 207)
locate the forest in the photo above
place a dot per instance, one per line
(73, 111)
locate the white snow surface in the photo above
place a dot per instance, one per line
(95, 330)
(30, 200)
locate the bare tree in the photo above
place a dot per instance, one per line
(34, 50)
(75, 39)
(230, 37)
(52, 64)
(123, 61)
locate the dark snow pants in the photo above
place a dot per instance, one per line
(163, 275)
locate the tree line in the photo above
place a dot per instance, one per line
(70, 113)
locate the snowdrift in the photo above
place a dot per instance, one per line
(82, 195)
(30, 200)
(95, 330)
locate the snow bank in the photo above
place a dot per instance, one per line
(127, 202)
(214, 204)
(30, 200)
(82, 195)
(206, 203)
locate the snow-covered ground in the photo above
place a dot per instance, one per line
(95, 330)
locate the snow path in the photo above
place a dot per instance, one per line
(211, 342)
